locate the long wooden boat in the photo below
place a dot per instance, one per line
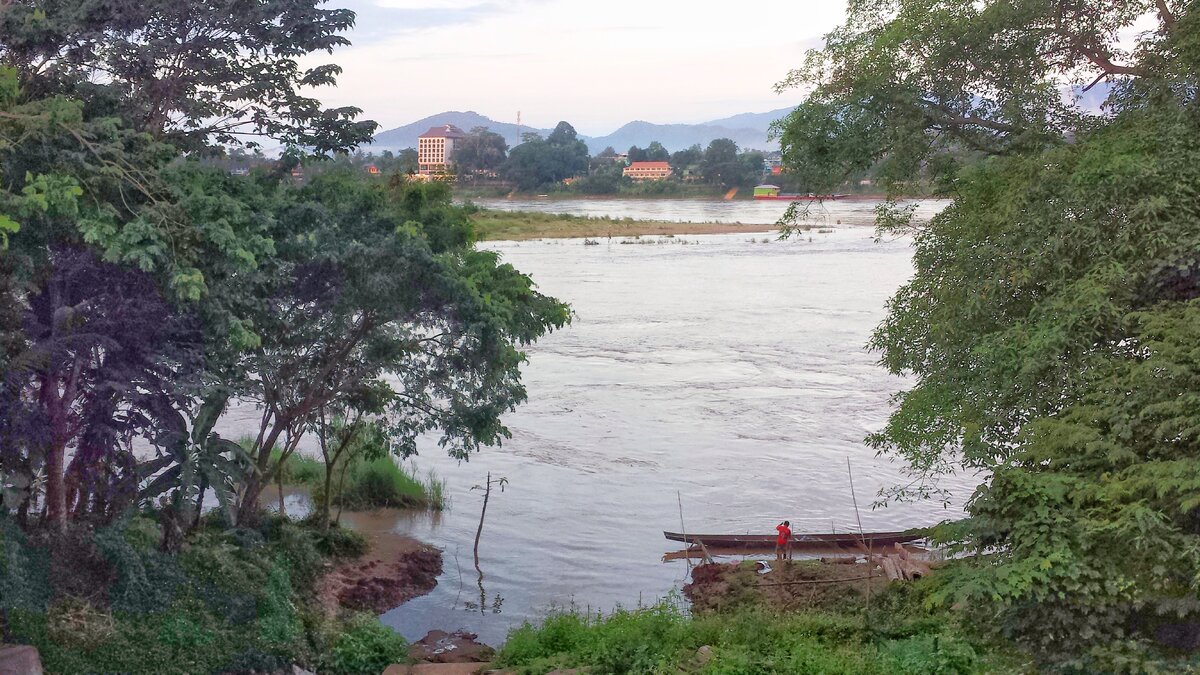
(760, 541)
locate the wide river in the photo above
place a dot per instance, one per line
(723, 375)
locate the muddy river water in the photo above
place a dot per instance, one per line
(724, 374)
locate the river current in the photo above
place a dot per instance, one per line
(724, 376)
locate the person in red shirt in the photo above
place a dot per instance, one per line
(783, 543)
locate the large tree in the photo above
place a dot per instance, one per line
(1050, 325)
(538, 162)
(481, 151)
(226, 71)
(380, 291)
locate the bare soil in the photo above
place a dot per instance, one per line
(788, 586)
(395, 569)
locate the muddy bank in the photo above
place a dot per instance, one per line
(395, 569)
(787, 586)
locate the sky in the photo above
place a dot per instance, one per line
(595, 63)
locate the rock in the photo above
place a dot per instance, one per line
(703, 654)
(20, 660)
(458, 647)
(297, 670)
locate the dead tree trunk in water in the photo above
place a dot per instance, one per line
(487, 493)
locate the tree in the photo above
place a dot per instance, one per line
(636, 154)
(536, 162)
(382, 291)
(721, 165)
(655, 152)
(103, 355)
(1046, 324)
(189, 73)
(481, 151)
(687, 158)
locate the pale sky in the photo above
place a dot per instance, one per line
(594, 63)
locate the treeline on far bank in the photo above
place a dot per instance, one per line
(484, 165)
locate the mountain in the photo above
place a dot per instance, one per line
(760, 121)
(679, 136)
(406, 136)
(749, 130)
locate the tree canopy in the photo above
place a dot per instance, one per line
(144, 287)
(1046, 327)
(536, 162)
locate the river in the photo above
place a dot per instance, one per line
(766, 212)
(724, 375)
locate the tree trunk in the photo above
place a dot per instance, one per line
(199, 501)
(56, 494)
(326, 496)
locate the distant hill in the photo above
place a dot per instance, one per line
(406, 136)
(760, 121)
(679, 136)
(749, 130)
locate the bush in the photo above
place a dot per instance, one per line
(366, 646)
(341, 543)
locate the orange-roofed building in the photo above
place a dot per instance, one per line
(648, 170)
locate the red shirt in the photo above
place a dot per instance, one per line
(785, 534)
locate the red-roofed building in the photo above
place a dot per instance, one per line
(435, 148)
(648, 170)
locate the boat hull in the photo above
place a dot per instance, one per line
(799, 198)
(760, 541)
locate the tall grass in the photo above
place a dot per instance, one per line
(666, 639)
(382, 482)
(369, 484)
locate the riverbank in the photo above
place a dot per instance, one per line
(492, 225)
(801, 617)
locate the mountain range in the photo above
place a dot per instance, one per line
(749, 130)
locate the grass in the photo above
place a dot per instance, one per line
(493, 224)
(899, 637)
(382, 482)
(369, 484)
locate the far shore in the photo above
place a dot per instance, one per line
(524, 225)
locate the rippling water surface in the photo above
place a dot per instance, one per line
(766, 212)
(728, 373)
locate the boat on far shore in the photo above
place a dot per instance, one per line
(771, 192)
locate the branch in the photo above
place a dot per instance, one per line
(1165, 15)
(1103, 62)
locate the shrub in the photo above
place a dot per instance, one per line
(366, 646)
(341, 543)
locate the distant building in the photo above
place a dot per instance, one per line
(435, 149)
(372, 169)
(766, 190)
(648, 170)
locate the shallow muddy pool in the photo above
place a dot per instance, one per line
(726, 375)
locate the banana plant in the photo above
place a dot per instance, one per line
(191, 463)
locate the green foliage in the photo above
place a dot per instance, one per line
(146, 579)
(299, 469)
(538, 163)
(381, 482)
(227, 602)
(1051, 324)
(664, 639)
(366, 647)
